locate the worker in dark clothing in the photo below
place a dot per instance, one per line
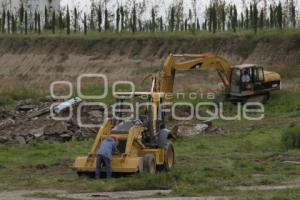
(245, 79)
(104, 155)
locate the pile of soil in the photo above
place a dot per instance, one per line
(43, 60)
(30, 121)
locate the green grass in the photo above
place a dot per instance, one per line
(262, 34)
(246, 40)
(41, 153)
(288, 194)
(292, 70)
(9, 97)
(291, 138)
(249, 154)
(285, 101)
(206, 165)
(97, 90)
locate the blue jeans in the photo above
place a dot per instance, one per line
(100, 162)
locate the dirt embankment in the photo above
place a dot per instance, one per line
(42, 60)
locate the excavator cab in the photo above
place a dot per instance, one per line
(250, 80)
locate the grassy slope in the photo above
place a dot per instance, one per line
(247, 42)
(247, 39)
(269, 34)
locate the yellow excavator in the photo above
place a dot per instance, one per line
(241, 82)
(146, 145)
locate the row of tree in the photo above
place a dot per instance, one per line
(218, 17)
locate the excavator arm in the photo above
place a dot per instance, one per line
(189, 62)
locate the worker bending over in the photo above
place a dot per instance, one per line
(104, 155)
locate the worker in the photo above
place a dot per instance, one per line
(245, 79)
(104, 155)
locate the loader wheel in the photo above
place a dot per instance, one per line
(169, 155)
(149, 164)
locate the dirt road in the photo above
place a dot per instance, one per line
(139, 194)
(60, 195)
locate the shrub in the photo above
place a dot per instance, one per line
(291, 138)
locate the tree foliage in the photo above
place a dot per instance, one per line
(219, 15)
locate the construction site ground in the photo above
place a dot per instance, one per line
(244, 156)
(230, 160)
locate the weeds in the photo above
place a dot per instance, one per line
(293, 68)
(9, 97)
(291, 138)
(226, 161)
(281, 102)
(272, 35)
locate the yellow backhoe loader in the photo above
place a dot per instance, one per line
(146, 145)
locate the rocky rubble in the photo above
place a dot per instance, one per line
(204, 128)
(30, 121)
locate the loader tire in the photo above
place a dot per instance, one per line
(169, 156)
(149, 164)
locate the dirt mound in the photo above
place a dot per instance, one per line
(31, 121)
(42, 60)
